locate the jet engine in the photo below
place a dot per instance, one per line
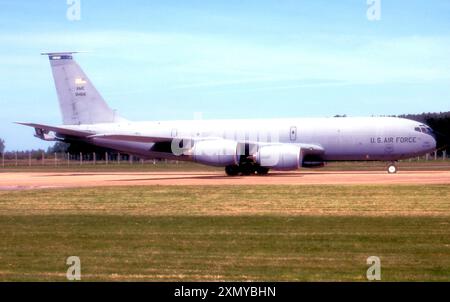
(279, 157)
(219, 152)
(313, 161)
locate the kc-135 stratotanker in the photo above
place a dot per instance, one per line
(242, 147)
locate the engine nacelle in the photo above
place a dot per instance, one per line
(279, 157)
(313, 161)
(218, 152)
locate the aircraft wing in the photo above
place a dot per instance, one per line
(312, 149)
(132, 138)
(42, 131)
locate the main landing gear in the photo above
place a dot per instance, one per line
(245, 169)
(392, 168)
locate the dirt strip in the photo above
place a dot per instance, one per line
(38, 180)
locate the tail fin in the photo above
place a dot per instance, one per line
(79, 101)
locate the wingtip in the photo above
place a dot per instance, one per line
(24, 123)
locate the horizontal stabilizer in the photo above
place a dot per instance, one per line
(59, 130)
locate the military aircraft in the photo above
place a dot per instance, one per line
(242, 147)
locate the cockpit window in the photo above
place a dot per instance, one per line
(424, 129)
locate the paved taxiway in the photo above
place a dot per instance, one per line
(39, 180)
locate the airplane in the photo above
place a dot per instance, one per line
(242, 147)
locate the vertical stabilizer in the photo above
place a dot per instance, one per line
(79, 101)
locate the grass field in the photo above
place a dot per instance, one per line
(269, 233)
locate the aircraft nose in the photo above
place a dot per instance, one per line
(433, 135)
(430, 138)
(430, 142)
(433, 141)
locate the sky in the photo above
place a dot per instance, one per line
(172, 59)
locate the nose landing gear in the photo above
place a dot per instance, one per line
(392, 168)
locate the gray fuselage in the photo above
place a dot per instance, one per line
(369, 138)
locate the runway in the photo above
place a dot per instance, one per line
(41, 180)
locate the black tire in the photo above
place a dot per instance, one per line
(247, 169)
(262, 171)
(232, 170)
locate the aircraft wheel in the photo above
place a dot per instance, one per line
(247, 169)
(392, 168)
(262, 171)
(232, 170)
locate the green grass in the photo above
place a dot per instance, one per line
(281, 233)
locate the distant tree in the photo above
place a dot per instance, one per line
(2, 146)
(58, 147)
